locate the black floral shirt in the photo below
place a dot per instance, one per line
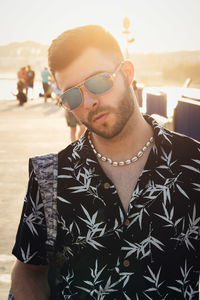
(150, 252)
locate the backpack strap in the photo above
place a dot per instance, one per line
(46, 171)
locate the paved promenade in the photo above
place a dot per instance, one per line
(34, 129)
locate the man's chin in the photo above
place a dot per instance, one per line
(105, 132)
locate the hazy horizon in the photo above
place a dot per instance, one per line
(131, 53)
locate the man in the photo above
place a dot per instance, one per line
(128, 200)
(76, 128)
(21, 74)
(30, 76)
(45, 74)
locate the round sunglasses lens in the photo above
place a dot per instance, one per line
(99, 83)
(72, 98)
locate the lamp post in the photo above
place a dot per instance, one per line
(126, 25)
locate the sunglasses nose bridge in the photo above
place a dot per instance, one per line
(89, 99)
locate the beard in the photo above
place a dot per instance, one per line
(123, 113)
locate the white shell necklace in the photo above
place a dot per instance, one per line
(121, 163)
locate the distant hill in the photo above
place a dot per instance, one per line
(167, 67)
(28, 49)
(15, 55)
(165, 59)
(151, 68)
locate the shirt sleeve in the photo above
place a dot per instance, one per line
(31, 236)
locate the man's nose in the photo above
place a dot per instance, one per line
(90, 100)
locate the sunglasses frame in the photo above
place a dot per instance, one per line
(81, 84)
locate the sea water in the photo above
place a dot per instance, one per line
(8, 87)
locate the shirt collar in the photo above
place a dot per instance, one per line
(162, 136)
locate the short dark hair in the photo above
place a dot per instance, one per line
(71, 43)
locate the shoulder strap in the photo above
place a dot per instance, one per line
(46, 171)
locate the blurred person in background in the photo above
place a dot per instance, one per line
(21, 75)
(21, 86)
(21, 96)
(46, 76)
(30, 76)
(76, 128)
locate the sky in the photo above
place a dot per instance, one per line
(156, 25)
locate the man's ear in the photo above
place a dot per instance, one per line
(128, 70)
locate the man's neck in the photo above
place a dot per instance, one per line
(128, 142)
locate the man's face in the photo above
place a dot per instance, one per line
(105, 114)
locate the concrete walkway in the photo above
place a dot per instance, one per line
(33, 129)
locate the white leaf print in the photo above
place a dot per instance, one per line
(127, 297)
(197, 186)
(183, 285)
(64, 176)
(197, 161)
(62, 200)
(26, 256)
(84, 289)
(149, 279)
(88, 282)
(191, 168)
(182, 191)
(148, 296)
(151, 290)
(68, 169)
(175, 289)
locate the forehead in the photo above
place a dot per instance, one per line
(91, 61)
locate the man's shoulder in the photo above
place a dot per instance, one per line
(76, 151)
(44, 157)
(185, 140)
(184, 145)
(181, 146)
(69, 151)
(43, 164)
(66, 152)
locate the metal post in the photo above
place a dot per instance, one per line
(126, 24)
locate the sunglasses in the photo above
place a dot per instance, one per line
(97, 84)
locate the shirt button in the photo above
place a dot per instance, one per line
(126, 263)
(106, 185)
(127, 222)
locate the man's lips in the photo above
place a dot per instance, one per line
(100, 117)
